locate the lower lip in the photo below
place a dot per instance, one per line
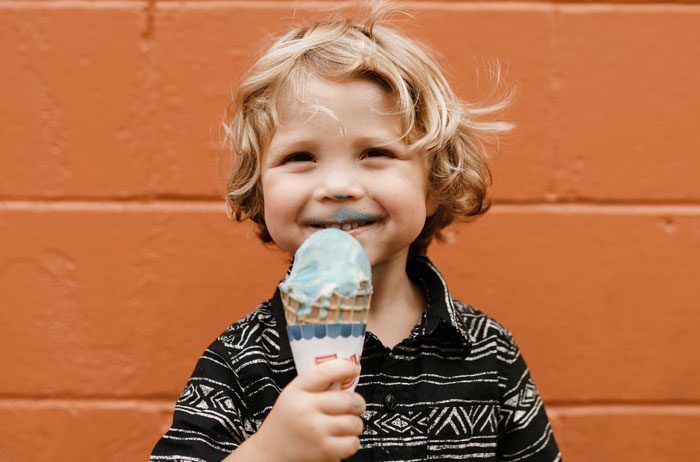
(358, 230)
(353, 232)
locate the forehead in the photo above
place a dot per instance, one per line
(351, 100)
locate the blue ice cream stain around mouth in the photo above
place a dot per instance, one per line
(348, 214)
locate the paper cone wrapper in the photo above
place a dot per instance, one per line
(317, 343)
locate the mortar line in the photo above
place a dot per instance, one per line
(186, 206)
(572, 5)
(205, 205)
(161, 404)
(72, 4)
(78, 403)
(623, 409)
(620, 5)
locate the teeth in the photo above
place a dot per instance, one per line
(347, 226)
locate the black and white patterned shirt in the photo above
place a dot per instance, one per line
(456, 388)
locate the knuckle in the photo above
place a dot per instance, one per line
(293, 402)
(316, 429)
(328, 449)
(325, 370)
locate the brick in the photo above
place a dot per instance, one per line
(463, 35)
(639, 433)
(77, 85)
(127, 430)
(33, 431)
(196, 72)
(562, 144)
(136, 295)
(161, 87)
(602, 301)
(626, 99)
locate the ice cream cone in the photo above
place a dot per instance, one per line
(337, 309)
(326, 301)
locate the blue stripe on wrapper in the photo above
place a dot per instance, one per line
(358, 330)
(333, 330)
(309, 331)
(294, 332)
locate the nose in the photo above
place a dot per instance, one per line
(339, 183)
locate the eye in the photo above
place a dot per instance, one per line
(377, 152)
(302, 156)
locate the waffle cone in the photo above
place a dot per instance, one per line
(340, 309)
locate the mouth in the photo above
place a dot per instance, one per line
(346, 220)
(343, 226)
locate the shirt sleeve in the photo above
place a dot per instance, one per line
(524, 431)
(208, 422)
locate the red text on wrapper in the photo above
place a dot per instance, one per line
(353, 359)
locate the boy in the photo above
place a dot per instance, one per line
(352, 125)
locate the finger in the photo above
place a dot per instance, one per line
(345, 446)
(341, 402)
(344, 425)
(321, 376)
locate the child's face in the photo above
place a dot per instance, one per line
(334, 161)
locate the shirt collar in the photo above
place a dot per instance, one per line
(439, 303)
(280, 325)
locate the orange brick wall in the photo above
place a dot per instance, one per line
(118, 265)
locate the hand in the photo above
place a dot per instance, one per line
(310, 422)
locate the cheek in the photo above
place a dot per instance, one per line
(284, 201)
(278, 199)
(409, 193)
(404, 199)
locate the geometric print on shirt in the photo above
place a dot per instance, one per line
(457, 388)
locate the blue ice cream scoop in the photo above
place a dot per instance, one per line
(329, 262)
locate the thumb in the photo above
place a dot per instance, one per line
(322, 376)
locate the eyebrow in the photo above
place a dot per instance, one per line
(369, 140)
(289, 146)
(383, 141)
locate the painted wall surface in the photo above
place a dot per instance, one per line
(118, 265)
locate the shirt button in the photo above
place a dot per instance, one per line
(390, 402)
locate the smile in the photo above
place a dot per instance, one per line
(345, 220)
(344, 226)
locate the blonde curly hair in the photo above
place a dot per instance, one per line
(434, 120)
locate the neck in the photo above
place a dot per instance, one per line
(397, 304)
